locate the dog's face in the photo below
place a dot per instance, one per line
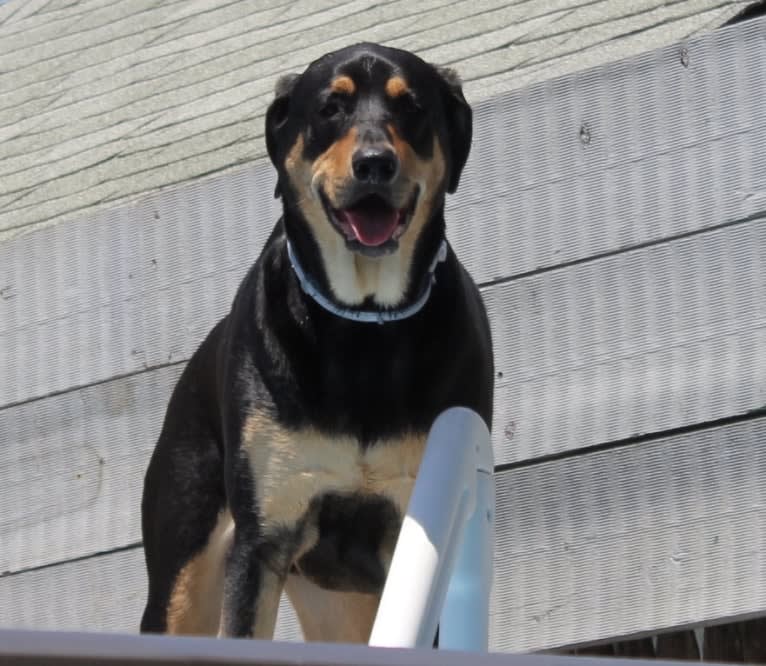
(366, 142)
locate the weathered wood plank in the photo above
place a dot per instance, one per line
(611, 543)
(18, 11)
(72, 467)
(571, 169)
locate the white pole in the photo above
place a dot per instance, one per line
(464, 623)
(443, 499)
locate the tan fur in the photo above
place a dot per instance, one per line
(266, 607)
(267, 604)
(396, 86)
(428, 175)
(291, 468)
(343, 85)
(195, 602)
(330, 616)
(354, 277)
(333, 167)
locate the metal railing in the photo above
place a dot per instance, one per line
(441, 571)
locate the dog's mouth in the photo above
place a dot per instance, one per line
(371, 221)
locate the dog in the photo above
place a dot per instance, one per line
(293, 437)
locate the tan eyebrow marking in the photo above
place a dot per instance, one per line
(343, 84)
(396, 86)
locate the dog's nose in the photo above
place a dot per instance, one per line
(377, 166)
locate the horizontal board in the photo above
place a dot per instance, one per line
(72, 468)
(100, 593)
(636, 539)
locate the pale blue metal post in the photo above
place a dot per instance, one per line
(448, 528)
(464, 623)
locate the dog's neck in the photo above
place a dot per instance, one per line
(378, 315)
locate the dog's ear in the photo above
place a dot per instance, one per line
(276, 117)
(459, 119)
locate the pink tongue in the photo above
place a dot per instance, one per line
(371, 227)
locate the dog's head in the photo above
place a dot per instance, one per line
(366, 142)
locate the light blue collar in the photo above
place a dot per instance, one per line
(367, 316)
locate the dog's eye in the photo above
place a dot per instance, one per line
(331, 108)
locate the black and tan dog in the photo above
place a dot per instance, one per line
(292, 440)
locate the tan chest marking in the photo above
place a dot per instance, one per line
(290, 468)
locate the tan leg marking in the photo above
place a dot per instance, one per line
(266, 607)
(267, 604)
(327, 615)
(195, 602)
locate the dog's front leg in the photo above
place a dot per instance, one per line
(252, 587)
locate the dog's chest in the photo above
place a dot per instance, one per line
(290, 468)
